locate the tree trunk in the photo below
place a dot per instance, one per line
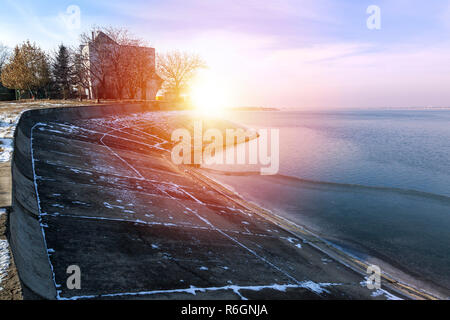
(144, 92)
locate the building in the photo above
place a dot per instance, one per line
(100, 58)
(6, 94)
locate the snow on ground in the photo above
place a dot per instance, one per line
(4, 256)
(6, 149)
(4, 260)
(10, 113)
(8, 122)
(380, 292)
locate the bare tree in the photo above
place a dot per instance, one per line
(177, 69)
(122, 57)
(96, 58)
(141, 70)
(118, 62)
(135, 71)
(4, 54)
(79, 73)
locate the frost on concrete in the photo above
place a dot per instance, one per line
(122, 174)
(4, 260)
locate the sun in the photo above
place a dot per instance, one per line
(209, 96)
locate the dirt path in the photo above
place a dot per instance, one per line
(10, 284)
(10, 288)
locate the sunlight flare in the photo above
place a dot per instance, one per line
(209, 95)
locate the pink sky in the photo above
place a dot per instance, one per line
(281, 53)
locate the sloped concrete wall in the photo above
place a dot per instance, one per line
(26, 238)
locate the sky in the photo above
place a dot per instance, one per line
(282, 53)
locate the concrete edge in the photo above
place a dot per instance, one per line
(26, 236)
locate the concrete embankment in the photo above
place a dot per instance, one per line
(94, 187)
(26, 236)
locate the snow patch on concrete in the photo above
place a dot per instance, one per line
(313, 286)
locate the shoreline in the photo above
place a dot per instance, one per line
(403, 191)
(343, 256)
(356, 250)
(403, 290)
(115, 200)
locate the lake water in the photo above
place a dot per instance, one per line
(375, 183)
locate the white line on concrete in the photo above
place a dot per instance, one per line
(244, 246)
(310, 285)
(141, 177)
(39, 206)
(219, 230)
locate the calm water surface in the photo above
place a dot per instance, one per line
(376, 183)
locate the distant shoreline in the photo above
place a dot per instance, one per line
(253, 109)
